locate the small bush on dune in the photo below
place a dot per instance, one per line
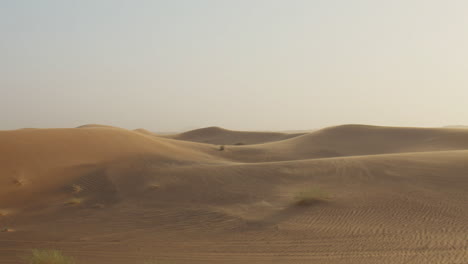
(74, 201)
(48, 257)
(221, 148)
(76, 188)
(19, 181)
(7, 230)
(311, 196)
(154, 186)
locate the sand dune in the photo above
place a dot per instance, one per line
(220, 136)
(95, 126)
(397, 195)
(353, 140)
(42, 155)
(145, 132)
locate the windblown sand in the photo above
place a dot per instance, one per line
(109, 195)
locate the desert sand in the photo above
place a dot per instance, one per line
(109, 195)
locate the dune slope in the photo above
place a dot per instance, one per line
(33, 160)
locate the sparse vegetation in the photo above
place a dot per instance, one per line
(6, 230)
(221, 148)
(74, 201)
(39, 256)
(19, 181)
(76, 188)
(154, 186)
(311, 196)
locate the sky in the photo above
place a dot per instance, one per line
(176, 65)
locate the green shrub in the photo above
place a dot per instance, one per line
(39, 256)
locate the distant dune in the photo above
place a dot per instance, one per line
(339, 141)
(456, 126)
(220, 136)
(110, 195)
(352, 140)
(96, 126)
(145, 132)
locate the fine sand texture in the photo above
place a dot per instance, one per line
(345, 194)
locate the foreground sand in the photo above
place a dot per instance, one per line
(109, 195)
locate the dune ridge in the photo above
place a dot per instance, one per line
(221, 136)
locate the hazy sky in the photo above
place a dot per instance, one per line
(241, 64)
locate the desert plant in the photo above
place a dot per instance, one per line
(154, 186)
(19, 181)
(7, 230)
(221, 148)
(311, 195)
(76, 188)
(39, 256)
(74, 201)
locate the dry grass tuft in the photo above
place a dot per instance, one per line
(39, 256)
(154, 186)
(7, 230)
(19, 181)
(76, 188)
(74, 201)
